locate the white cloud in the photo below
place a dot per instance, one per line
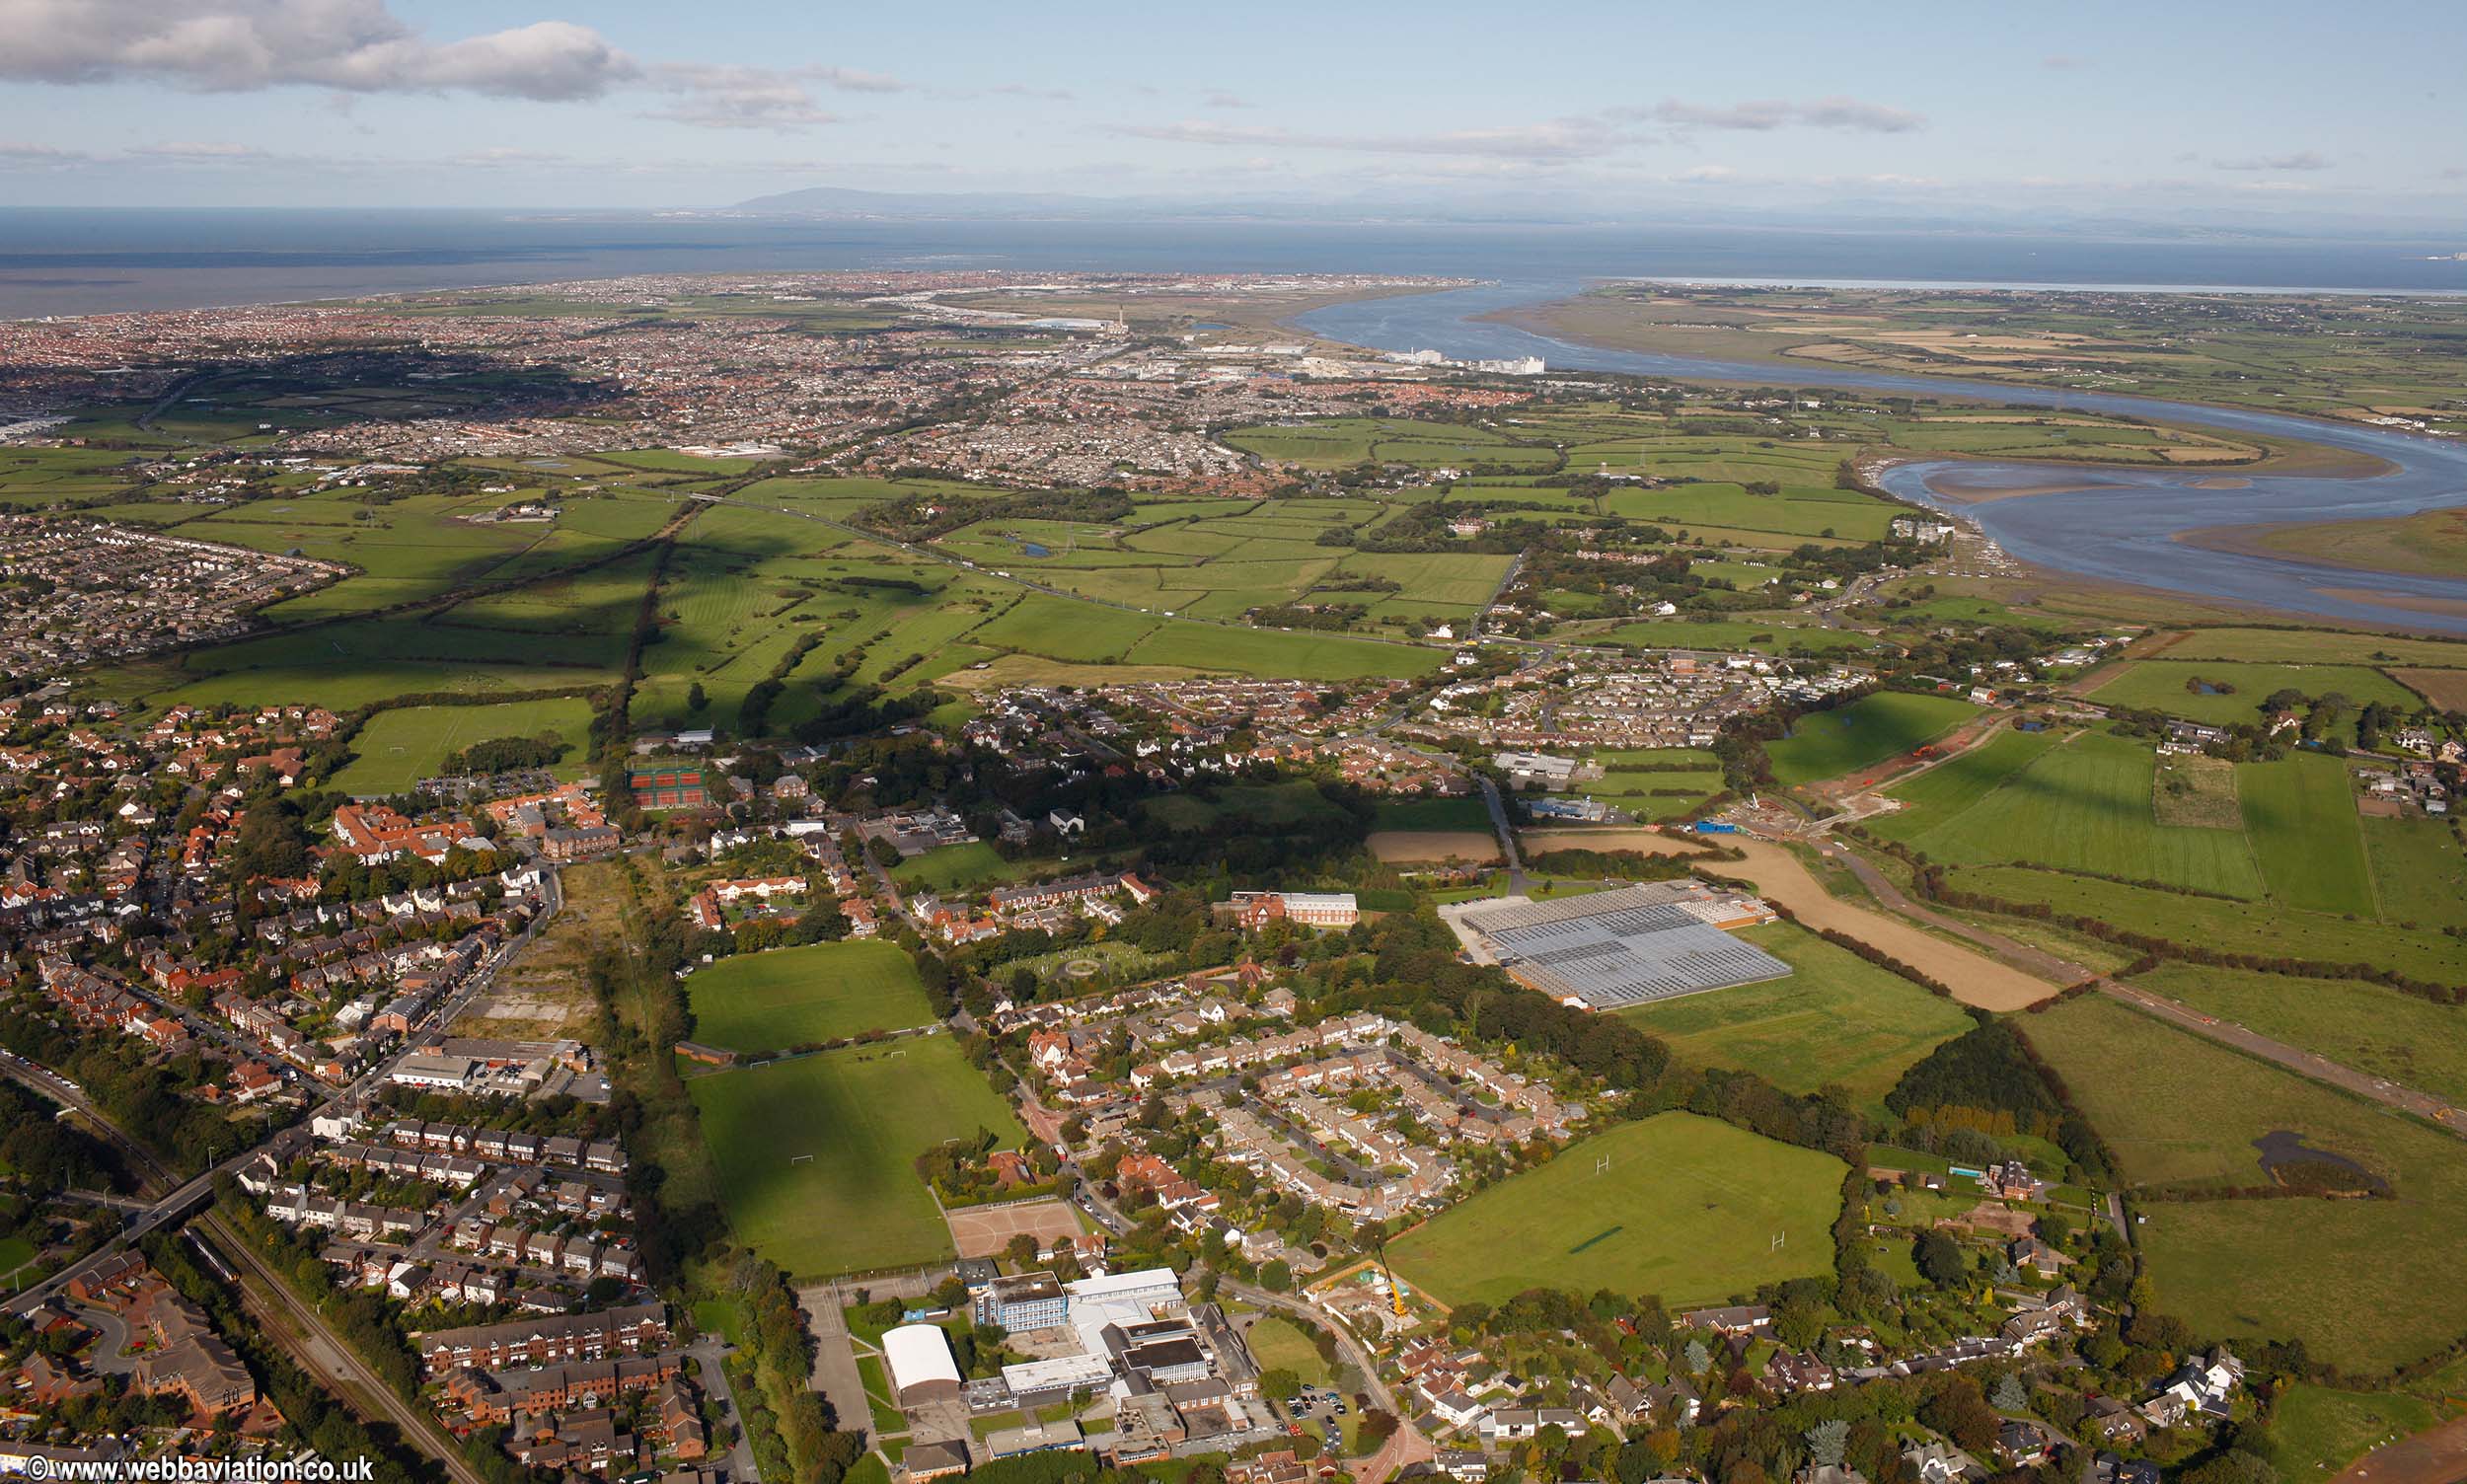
(355, 45)
(199, 150)
(1763, 115)
(1220, 99)
(2065, 63)
(715, 97)
(1557, 140)
(2303, 160)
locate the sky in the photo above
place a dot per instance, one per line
(2186, 111)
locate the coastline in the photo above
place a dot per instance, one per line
(2304, 458)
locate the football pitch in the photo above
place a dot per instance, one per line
(1689, 1209)
(817, 1155)
(795, 997)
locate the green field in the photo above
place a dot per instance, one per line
(2263, 927)
(1837, 1020)
(1060, 629)
(2316, 646)
(1768, 637)
(1271, 655)
(2419, 871)
(817, 1155)
(1937, 797)
(2410, 1040)
(2300, 814)
(1688, 1209)
(1277, 1345)
(1270, 806)
(2163, 685)
(1867, 731)
(1465, 811)
(2080, 804)
(2314, 1431)
(2179, 1109)
(959, 867)
(400, 747)
(795, 997)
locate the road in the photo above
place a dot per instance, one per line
(197, 1191)
(333, 1360)
(1408, 1446)
(710, 1358)
(2044, 965)
(298, 1328)
(1506, 830)
(835, 1374)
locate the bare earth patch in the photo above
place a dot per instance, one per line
(985, 1230)
(1974, 977)
(1468, 846)
(2447, 688)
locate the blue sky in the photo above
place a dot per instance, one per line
(2179, 111)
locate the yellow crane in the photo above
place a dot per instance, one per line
(1396, 1290)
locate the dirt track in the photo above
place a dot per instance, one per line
(1974, 977)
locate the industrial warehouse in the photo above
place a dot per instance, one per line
(1656, 941)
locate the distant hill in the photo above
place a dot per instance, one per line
(833, 201)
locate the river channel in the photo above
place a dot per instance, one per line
(2116, 525)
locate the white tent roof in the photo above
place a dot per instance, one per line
(918, 1353)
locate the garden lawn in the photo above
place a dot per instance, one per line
(862, 1115)
(1688, 1209)
(796, 997)
(1867, 731)
(1836, 1019)
(2366, 1284)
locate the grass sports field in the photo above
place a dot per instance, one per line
(1837, 1019)
(1867, 731)
(2178, 1109)
(815, 1154)
(398, 748)
(1688, 1210)
(792, 996)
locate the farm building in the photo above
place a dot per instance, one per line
(1649, 942)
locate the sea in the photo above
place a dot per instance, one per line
(2141, 528)
(68, 261)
